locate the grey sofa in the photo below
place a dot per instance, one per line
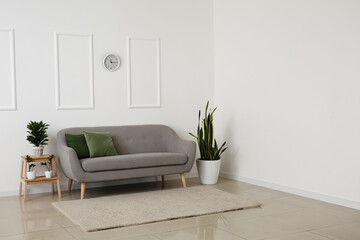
(144, 151)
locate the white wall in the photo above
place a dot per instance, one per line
(185, 31)
(287, 83)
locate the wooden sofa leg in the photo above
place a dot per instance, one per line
(69, 185)
(162, 181)
(182, 175)
(83, 185)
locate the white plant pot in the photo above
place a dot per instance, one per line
(38, 151)
(31, 175)
(208, 170)
(48, 174)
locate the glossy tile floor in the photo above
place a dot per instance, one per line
(283, 216)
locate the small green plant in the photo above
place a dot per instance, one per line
(28, 158)
(37, 133)
(30, 165)
(208, 146)
(47, 164)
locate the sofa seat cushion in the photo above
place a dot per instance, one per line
(129, 161)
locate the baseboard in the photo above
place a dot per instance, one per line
(44, 188)
(317, 196)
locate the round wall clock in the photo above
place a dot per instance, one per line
(111, 62)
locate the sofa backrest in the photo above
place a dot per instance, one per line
(129, 139)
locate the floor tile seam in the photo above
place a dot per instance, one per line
(244, 188)
(283, 213)
(149, 236)
(291, 204)
(270, 191)
(57, 220)
(331, 226)
(278, 201)
(298, 229)
(286, 212)
(177, 230)
(231, 233)
(318, 234)
(282, 235)
(301, 210)
(262, 217)
(294, 226)
(345, 218)
(30, 232)
(307, 229)
(285, 234)
(146, 229)
(42, 216)
(255, 197)
(235, 190)
(245, 192)
(38, 219)
(180, 229)
(246, 219)
(11, 235)
(225, 230)
(56, 225)
(70, 233)
(327, 205)
(300, 197)
(290, 234)
(303, 207)
(155, 237)
(241, 220)
(23, 232)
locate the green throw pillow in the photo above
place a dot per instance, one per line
(78, 143)
(100, 144)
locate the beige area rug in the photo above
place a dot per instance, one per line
(154, 206)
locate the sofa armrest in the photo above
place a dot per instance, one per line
(70, 163)
(178, 145)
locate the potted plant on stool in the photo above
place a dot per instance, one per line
(31, 174)
(208, 165)
(48, 173)
(37, 136)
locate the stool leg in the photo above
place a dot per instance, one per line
(59, 190)
(25, 192)
(162, 181)
(21, 176)
(69, 185)
(20, 190)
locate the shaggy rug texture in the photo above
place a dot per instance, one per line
(154, 206)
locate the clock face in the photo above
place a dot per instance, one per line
(111, 62)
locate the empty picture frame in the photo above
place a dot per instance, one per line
(7, 70)
(74, 71)
(144, 88)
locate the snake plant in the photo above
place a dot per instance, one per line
(208, 146)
